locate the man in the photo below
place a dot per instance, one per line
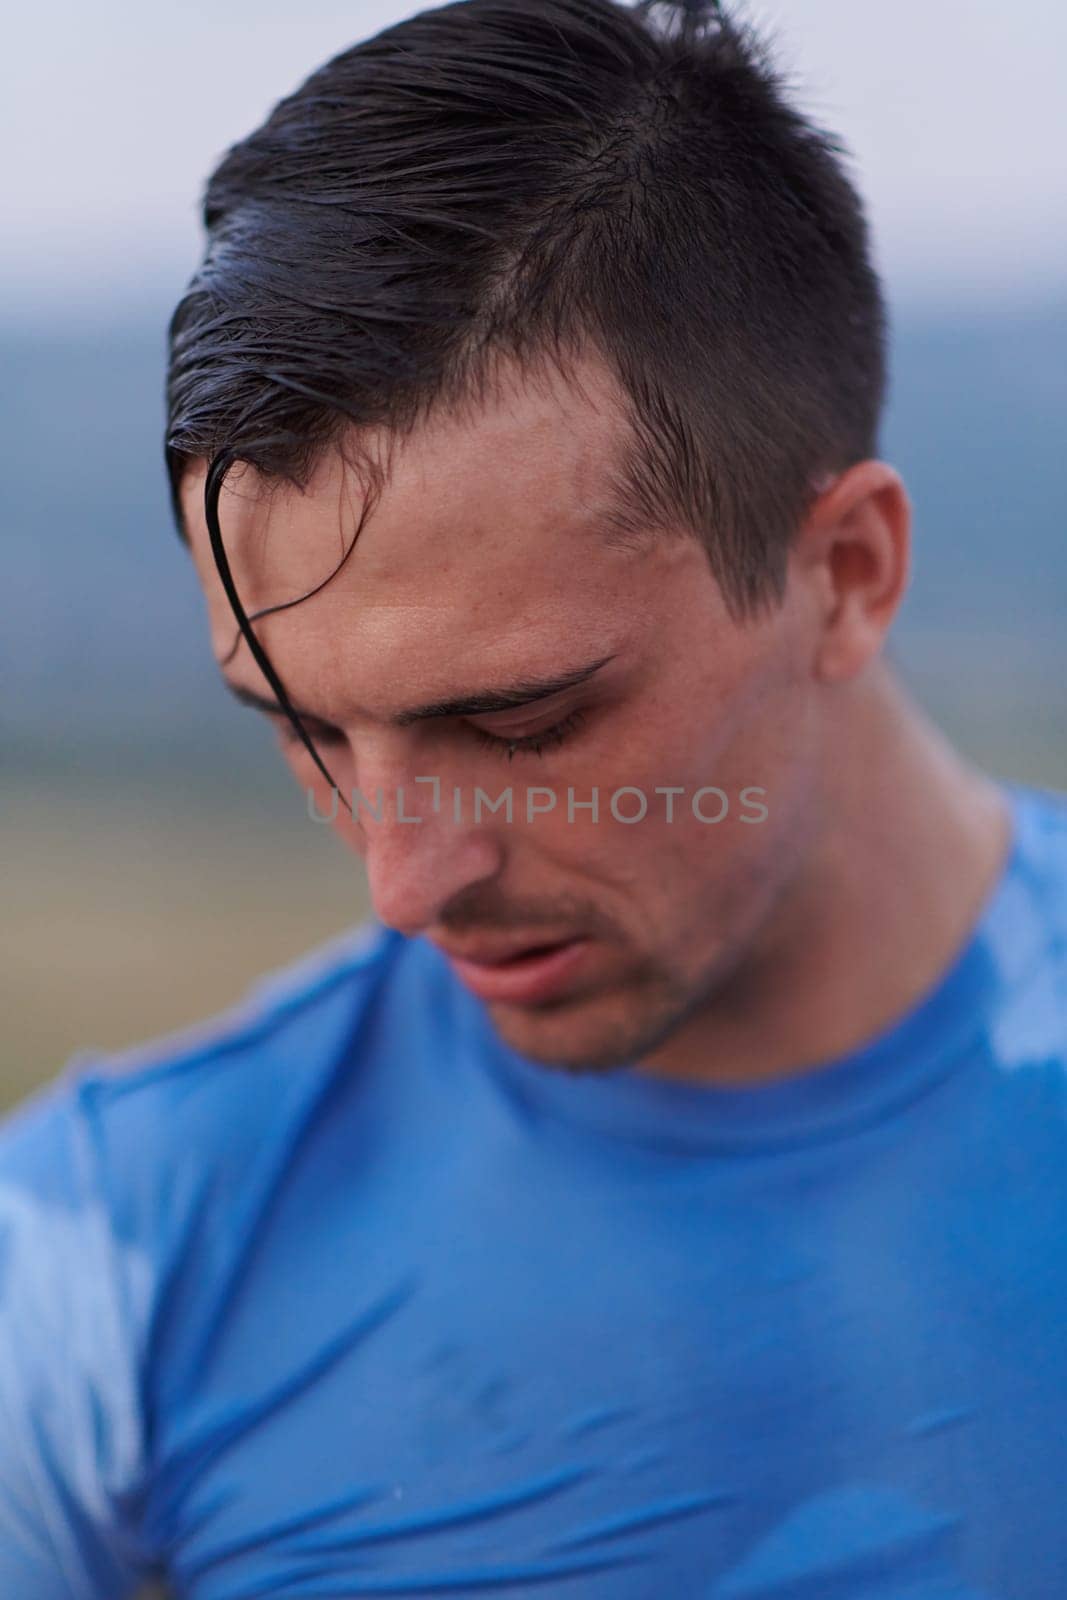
(665, 1194)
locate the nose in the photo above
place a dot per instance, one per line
(418, 857)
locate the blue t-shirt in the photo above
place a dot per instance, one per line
(337, 1295)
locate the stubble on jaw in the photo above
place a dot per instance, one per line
(557, 1035)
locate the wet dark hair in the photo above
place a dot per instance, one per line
(529, 180)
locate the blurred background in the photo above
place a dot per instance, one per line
(156, 855)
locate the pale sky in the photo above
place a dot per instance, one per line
(113, 113)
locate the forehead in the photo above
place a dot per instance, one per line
(486, 546)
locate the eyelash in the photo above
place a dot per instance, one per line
(533, 744)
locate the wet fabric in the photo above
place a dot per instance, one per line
(338, 1295)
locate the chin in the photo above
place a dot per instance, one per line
(580, 1037)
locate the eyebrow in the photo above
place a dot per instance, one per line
(523, 691)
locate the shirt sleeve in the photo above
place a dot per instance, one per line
(71, 1436)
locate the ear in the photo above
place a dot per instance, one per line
(853, 555)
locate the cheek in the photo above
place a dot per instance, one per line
(705, 887)
(322, 804)
(699, 858)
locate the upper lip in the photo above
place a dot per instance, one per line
(488, 955)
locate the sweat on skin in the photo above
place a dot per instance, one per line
(716, 954)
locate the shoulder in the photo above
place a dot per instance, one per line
(131, 1174)
(1026, 939)
(1034, 898)
(201, 1097)
(1042, 844)
(140, 1135)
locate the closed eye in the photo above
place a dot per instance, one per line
(533, 743)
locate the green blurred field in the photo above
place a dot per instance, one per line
(138, 904)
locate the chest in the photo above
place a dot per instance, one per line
(534, 1398)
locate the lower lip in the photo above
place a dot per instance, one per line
(526, 979)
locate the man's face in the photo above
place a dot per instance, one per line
(483, 566)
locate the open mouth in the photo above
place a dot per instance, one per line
(540, 972)
(532, 951)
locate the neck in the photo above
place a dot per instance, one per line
(909, 844)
